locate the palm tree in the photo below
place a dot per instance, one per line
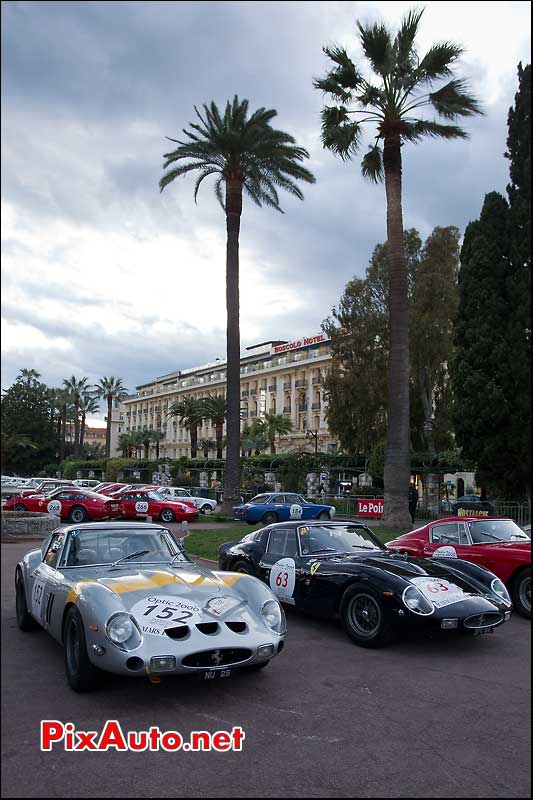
(206, 445)
(157, 438)
(63, 400)
(191, 414)
(29, 376)
(253, 440)
(391, 103)
(110, 389)
(88, 405)
(12, 441)
(76, 388)
(270, 426)
(126, 444)
(145, 438)
(216, 409)
(244, 152)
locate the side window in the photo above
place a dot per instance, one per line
(54, 548)
(278, 498)
(262, 536)
(447, 534)
(282, 543)
(293, 498)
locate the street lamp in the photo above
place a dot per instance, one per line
(311, 435)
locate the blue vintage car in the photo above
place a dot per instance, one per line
(280, 507)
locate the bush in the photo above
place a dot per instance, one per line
(72, 465)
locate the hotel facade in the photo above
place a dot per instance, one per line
(277, 377)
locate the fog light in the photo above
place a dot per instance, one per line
(507, 615)
(265, 650)
(162, 663)
(449, 623)
(98, 649)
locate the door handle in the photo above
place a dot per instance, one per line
(428, 550)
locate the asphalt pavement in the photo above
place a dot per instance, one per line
(441, 717)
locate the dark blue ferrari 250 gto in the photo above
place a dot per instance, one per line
(281, 507)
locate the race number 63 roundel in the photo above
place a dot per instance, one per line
(282, 579)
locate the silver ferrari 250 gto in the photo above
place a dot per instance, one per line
(126, 598)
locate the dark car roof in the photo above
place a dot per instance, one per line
(108, 526)
(312, 523)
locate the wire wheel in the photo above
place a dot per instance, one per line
(364, 615)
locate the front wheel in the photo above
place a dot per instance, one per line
(269, 518)
(78, 514)
(206, 509)
(521, 592)
(242, 566)
(363, 617)
(82, 675)
(167, 515)
(19, 507)
(324, 515)
(25, 620)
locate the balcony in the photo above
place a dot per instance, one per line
(245, 393)
(316, 406)
(253, 392)
(300, 384)
(272, 387)
(316, 381)
(287, 385)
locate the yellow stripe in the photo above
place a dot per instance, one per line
(156, 581)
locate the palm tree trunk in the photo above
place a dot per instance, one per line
(82, 430)
(194, 441)
(108, 429)
(397, 457)
(63, 433)
(233, 380)
(157, 450)
(272, 447)
(76, 427)
(219, 433)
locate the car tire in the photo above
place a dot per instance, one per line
(19, 507)
(78, 514)
(363, 617)
(521, 592)
(269, 518)
(82, 675)
(324, 515)
(167, 515)
(25, 621)
(206, 509)
(242, 566)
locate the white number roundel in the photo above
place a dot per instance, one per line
(54, 507)
(141, 507)
(445, 552)
(296, 511)
(282, 579)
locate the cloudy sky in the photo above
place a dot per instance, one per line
(102, 274)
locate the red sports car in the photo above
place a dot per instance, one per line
(74, 504)
(141, 503)
(496, 543)
(47, 485)
(127, 490)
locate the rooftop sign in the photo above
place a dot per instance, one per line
(305, 342)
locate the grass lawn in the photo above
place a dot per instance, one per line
(205, 543)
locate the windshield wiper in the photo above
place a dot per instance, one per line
(131, 555)
(325, 550)
(364, 547)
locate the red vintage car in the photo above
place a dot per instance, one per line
(45, 486)
(140, 503)
(496, 543)
(74, 504)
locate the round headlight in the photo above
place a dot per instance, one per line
(274, 616)
(415, 601)
(122, 631)
(499, 588)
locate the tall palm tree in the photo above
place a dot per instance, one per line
(29, 376)
(252, 440)
(157, 438)
(190, 413)
(88, 405)
(206, 445)
(243, 152)
(126, 444)
(110, 389)
(403, 84)
(76, 388)
(216, 409)
(270, 426)
(63, 400)
(145, 438)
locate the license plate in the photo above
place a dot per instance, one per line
(214, 674)
(479, 631)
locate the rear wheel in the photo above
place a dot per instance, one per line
(363, 617)
(242, 566)
(167, 515)
(324, 515)
(19, 507)
(269, 518)
(25, 620)
(82, 675)
(78, 514)
(521, 592)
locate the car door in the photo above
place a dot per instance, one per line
(294, 507)
(448, 540)
(45, 581)
(280, 566)
(134, 504)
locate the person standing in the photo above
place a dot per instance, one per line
(413, 501)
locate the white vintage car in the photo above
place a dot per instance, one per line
(204, 504)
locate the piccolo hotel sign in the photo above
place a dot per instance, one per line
(304, 342)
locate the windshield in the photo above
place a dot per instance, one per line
(183, 492)
(260, 498)
(155, 495)
(87, 548)
(336, 538)
(496, 530)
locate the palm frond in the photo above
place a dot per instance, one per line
(345, 73)
(417, 129)
(330, 85)
(453, 100)
(199, 180)
(339, 134)
(437, 62)
(372, 164)
(377, 46)
(404, 41)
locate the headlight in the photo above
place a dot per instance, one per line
(498, 588)
(274, 616)
(416, 602)
(122, 630)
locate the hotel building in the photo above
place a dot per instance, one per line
(277, 377)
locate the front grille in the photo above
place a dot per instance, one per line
(487, 620)
(217, 658)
